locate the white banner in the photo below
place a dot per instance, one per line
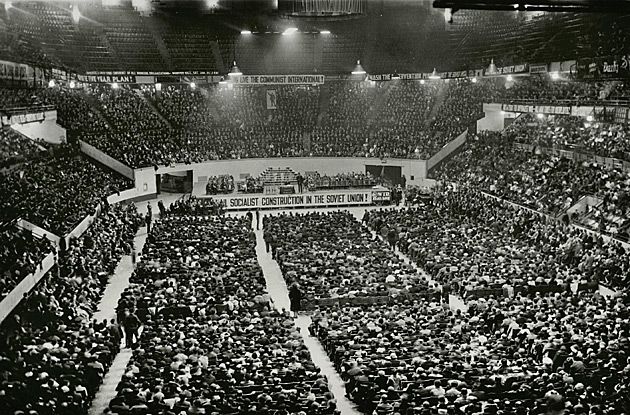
(272, 99)
(545, 109)
(357, 197)
(277, 79)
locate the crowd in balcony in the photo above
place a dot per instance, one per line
(332, 255)
(21, 254)
(56, 193)
(210, 329)
(599, 138)
(541, 181)
(16, 148)
(54, 355)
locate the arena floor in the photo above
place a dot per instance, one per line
(275, 284)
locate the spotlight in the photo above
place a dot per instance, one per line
(434, 75)
(422, 82)
(395, 75)
(555, 76)
(540, 116)
(509, 78)
(76, 14)
(474, 80)
(51, 84)
(115, 85)
(72, 84)
(193, 85)
(589, 118)
(324, 32)
(246, 32)
(289, 31)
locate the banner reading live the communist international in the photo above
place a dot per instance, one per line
(277, 79)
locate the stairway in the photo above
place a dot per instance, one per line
(151, 105)
(218, 60)
(324, 100)
(439, 101)
(159, 41)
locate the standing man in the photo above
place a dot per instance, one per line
(257, 219)
(131, 324)
(300, 182)
(295, 296)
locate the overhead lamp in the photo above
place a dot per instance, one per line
(235, 71)
(51, 84)
(289, 31)
(324, 32)
(492, 68)
(358, 70)
(434, 75)
(246, 32)
(395, 75)
(72, 84)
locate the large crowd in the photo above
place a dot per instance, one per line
(542, 181)
(21, 254)
(472, 242)
(332, 255)
(211, 340)
(550, 354)
(53, 354)
(56, 192)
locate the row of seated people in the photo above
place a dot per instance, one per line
(315, 181)
(552, 354)
(21, 254)
(223, 184)
(57, 192)
(53, 353)
(471, 242)
(333, 255)
(541, 181)
(573, 133)
(16, 148)
(544, 90)
(211, 340)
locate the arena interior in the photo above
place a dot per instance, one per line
(315, 207)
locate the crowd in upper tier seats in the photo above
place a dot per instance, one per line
(332, 255)
(574, 133)
(315, 181)
(53, 354)
(16, 148)
(474, 242)
(550, 354)
(542, 181)
(212, 343)
(20, 255)
(18, 97)
(74, 111)
(56, 193)
(543, 90)
(126, 110)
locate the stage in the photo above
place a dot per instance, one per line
(329, 198)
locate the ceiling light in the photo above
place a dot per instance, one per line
(289, 31)
(434, 75)
(246, 32)
(358, 70)
(235, 71)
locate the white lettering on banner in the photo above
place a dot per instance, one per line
(537, 68)
(545, 109)
(307, 200)
(278, 79)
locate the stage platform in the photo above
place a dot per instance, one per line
(332, 198)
